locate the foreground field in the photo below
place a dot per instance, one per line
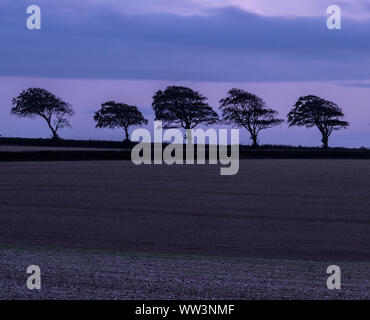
(281, 209)
(269, 232)
(88, 274)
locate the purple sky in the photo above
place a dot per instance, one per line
(279, 52)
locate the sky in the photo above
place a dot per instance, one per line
(91, 51)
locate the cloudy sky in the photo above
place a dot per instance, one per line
(90, 51)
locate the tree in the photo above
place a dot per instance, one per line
(119, 115)
(181, 107)
(37, 102)
(246, 110)
(311, 111)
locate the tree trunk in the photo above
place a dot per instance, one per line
(54, 132)
(254, 139)
(189, 137)
(325, 141)
(55, 136)
(126, 135)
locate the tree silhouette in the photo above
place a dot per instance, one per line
(37, 102)
(181, 107)
(246, 110)
(311, 111)
(119, 115)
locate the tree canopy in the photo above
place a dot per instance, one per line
(37, 102)
(182, 107)
(243, 109)
(119, 115)
(312, 111)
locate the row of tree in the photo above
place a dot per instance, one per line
(182, 107)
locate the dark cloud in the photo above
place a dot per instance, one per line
(228, 45)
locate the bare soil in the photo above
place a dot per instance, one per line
(185, 232)
(282, 209)
(90, 274)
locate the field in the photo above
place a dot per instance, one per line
(186, 231)
(91, 274)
